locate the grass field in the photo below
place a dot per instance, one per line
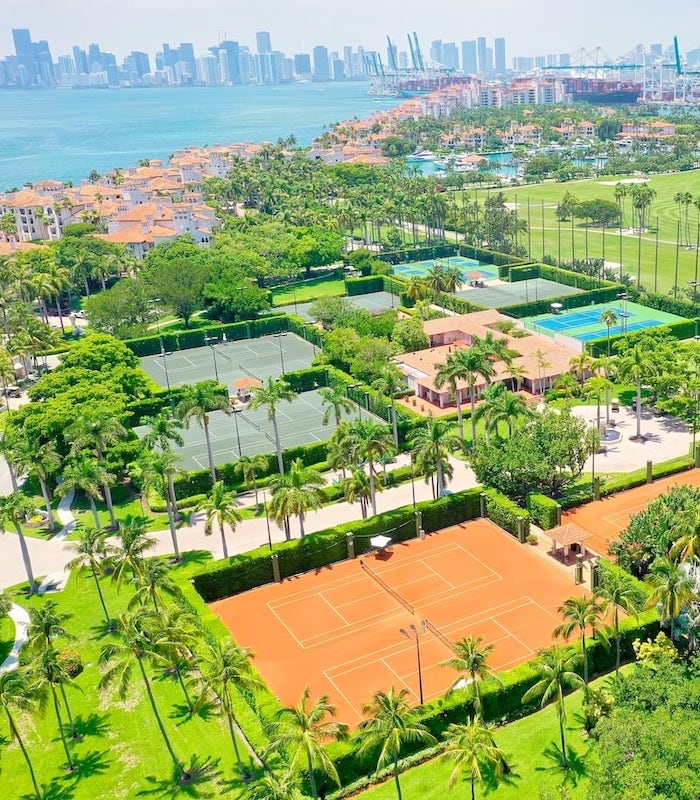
(308, 290)
(663, 209)
(7, 637)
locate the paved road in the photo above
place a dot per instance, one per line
(51, 556)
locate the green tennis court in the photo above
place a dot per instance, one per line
(374, 302)
(228, 361)
(249, 432)
(470, 268)
(585, 323)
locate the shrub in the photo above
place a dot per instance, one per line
(543, 510)
(684, 329)
(535, 307)
(368, 285)
(505, 513)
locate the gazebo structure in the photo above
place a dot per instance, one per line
(244, 387)
(568, 536)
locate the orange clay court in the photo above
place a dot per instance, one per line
(337, 630)
(606, 518)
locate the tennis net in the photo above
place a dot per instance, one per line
(440, 635)
(396, 595)
(249, 373)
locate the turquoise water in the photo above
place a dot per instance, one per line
(64, 134)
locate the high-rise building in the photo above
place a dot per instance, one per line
(499, 47)
(81, 61)
(481, 53)
(229, 57)
(564, 59)
(302, 66)
(141, 63)
(186, 51)
(436, 50)
(656, 50)
(322, 69)
(450, 55)
(262, 42)
(337, 69)
(208, 70)
(27, 71)
(469, 62)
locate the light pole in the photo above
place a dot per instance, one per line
(413, 483)
(279, 336)
(153, 302)
(694, 284)
(236, 411)
(267, 520)
(415, 634)
(211, 341)
(349, 386)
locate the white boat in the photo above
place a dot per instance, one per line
(422, 155)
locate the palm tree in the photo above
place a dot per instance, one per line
(580, 614)
(555, 667)
(356, 487)
(127, 557)
(671, 588)
(474, 362)
(89, 476)
(164, 429)
(138, 647)
(450, 372)
(518, 372)
(636, 365)
(390, 380)
(580, 365)
(470, 659)
(16, 692)
(269, 396)
(473, 748)
(250, 466)
(97, 434)
(368, 441)
(158, 471)
(13, 508)
(609, 318)
(417, 288)
(595, 386)
(41, 461)
(335, 401)
(432, 444)
(686, 530)
(296, 492)
(391, 723)
(91, 551)
(197, 403)
(274, 787)
(220, 506)
(151, 583)
(615, 593)
(302, 731)
(226, 668)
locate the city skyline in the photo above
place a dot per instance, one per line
(548, 26)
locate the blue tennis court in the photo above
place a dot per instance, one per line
(615, 329)
(574, 319)
(470, 268)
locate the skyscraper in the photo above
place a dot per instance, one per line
(262, 42)
(186, 51)
(80, 59)
(469, 62)
(450, 55)
(499, 46)
(481, 53)
(26, 63)
(302, 66)
(230, 52)
(436, 50)
(322, 68)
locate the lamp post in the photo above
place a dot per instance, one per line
(415, 634)
(349, 386)
(279, 336)
(413, 483)
(236, 411)
(153, 302)
(211, 341)
(694, 284)
(267, 520)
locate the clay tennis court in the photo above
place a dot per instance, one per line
(607, 517)
(338, 630)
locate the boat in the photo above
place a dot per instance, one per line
(602, 92)
(422, 155)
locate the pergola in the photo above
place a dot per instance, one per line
(566, 535)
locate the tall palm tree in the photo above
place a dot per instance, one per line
(671, 588)
(450, 372)
(580, 614)
(596, 386)
(686, 532)
(472, 747)
(390, 380)
(164, 430)
(613, 594)
(356, 487)
(296, 492)
(18, 693)
(391, 724)
(609, 319)
(302, 730)
(226, 668)
(43, 462)
(91, 551)
(555, 667)
(88, 476)
(471, 659)
(197, 402)
(432, 444)
(336, 401)
(269, 396)
(13, 508)
(137, 647)
(220, 506)
(417, 288)
(96, 434)
(475, 362)
(518, 372)
(636, 365)
(152, 583)
(367, 441)
(127, 556)
(273, 786)
(250, 467)
(158, 471)
(580, 365)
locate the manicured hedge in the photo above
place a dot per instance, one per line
(663, 302)
(150, 406)
(184, 340)
(543, 510)
(563, 276)
(685, 329)
(458, 304)
(505, 513)
(368, 285)
(420, 253)
(535, 307)
(311, 333)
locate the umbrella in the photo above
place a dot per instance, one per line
(247, 383)
(475, 275)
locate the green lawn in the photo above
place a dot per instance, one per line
(663, 207)
(121, 754)
(7, 637)
(308, 290)
(532, 747)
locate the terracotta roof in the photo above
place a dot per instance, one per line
(568, 534)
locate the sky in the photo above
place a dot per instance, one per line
(531, 28)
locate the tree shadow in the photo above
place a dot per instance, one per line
(251, 772)
(96, 762)
(572, 773)
(103, 629)
(202, 781)
(205, 710)
(92, 725)
(193, 558)
(53, 791)
(494, 779)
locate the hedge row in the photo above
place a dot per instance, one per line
(563, 276)
(535, 307)
(505, 513)
(421, 253)
(248, 570)
(368, 285)
(150, 406)
(184, 340)
(458, 304)
(663, 302)
(684, 329)
(543, 510)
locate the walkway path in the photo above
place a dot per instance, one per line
(20, 617)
